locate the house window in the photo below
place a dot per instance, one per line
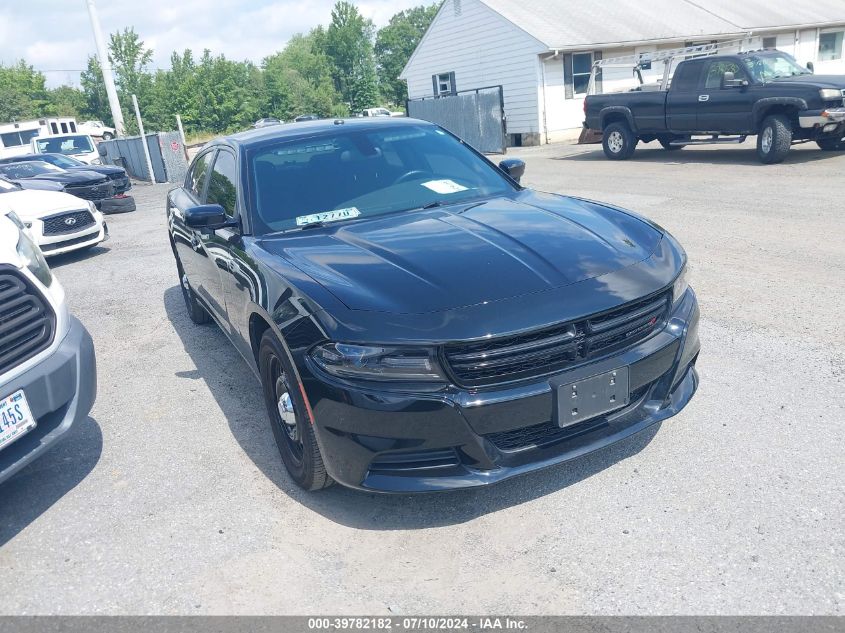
(582, 64)
(830, 45)
(770, 42)
(444, 84)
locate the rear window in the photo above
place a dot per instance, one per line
(686, 77)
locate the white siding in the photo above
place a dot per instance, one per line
(482, 49)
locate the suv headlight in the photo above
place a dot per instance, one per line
(366, 362)
(830, 94)
(33, 259)
(681, 284)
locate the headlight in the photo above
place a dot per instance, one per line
(96, 161)
(33, 259)
(16, 220)
(378, 363)
(681, 284)
(830, 94)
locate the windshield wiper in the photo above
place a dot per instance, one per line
(433, 205)
(312, 225)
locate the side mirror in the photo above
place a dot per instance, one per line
(811, 67)
(513, 167)
(101, 150)
(208, 216)
(729, 80)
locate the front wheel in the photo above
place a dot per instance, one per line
(831, 144)
(618, 141)
(107, 136)
(774, 139)
(289, 420)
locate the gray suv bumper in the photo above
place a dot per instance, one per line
(60, 391)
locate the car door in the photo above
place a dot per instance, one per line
(721, 108)
(682, 100)
(238, 282)
(198, 263)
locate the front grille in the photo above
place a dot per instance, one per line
(70, 222)
(549, 350)
(26, 320)
(414, 462)
(91, 192)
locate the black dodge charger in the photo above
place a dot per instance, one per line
(418, 320)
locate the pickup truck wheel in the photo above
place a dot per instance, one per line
(618, 141)
(292, 429)
(831, 144)
(196, 312)
(665, 142)
(774, 139)
(107, 136)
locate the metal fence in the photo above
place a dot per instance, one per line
(167, 156)
(477, 116)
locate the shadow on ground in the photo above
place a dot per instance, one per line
(32, 491)
(235, 388)
(57, 261)
(708, 154)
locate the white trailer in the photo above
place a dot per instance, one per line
(15, 137)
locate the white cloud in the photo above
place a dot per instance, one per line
(57, 36)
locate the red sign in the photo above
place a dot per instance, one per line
(174, 146)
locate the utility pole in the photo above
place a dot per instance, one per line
(105, 65)
(144, 140)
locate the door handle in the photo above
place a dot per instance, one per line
(703, 98)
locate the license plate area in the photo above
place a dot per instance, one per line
(590, 397)
(16, 420)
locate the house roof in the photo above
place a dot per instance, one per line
(570, 24)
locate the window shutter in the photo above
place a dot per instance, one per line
(598, 86)
(434, 85)
(452, 89)
(568, 88)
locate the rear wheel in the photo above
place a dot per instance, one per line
(774, 139)
(291, 426)
(107, 136)
(831, 144)
(196, 312)
(618, 141)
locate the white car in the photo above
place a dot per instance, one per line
(48, 371)
(380, 112)
(58, 222)
(97, 129)
(80, 146)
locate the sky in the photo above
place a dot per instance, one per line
(55, 36)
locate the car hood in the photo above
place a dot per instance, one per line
(36, 183)
(32, 203)
(72, 177)
(103, 170)
(468, 254)
(820, 81)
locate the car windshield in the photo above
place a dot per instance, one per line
(72, 144)
(365, 173)
(767, 67)
(28, 169)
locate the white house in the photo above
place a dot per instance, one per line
(541, 51)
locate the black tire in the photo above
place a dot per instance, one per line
(107, 136)
(296, 441)
(112, 206)
(618, 141)
(774, 139)
(831, 144)
(665, 142)
(196, 312)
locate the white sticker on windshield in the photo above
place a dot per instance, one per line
(328, 216)
(444, 186)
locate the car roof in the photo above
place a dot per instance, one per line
(302, 129)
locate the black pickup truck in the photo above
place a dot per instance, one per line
(722, 99)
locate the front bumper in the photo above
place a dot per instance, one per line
(59, 244)
(60, 391)
(396, 442)
(828, 121)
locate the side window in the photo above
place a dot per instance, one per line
(717, 71)
(196, 179)
(222, 187)
(686, 77)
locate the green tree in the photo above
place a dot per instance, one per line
(66, 101)
(395, 43)
(94, 91)
(22, 92)
(349, 46)
(130, 58)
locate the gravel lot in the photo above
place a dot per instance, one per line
(171, 497)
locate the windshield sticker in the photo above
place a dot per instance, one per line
(328, 216)
(444, 186)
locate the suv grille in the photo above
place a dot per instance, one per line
(92, 192)
(552, 349)
(71, 222)
(26, 320)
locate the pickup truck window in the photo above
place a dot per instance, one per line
(686, 76)
(716, 72)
